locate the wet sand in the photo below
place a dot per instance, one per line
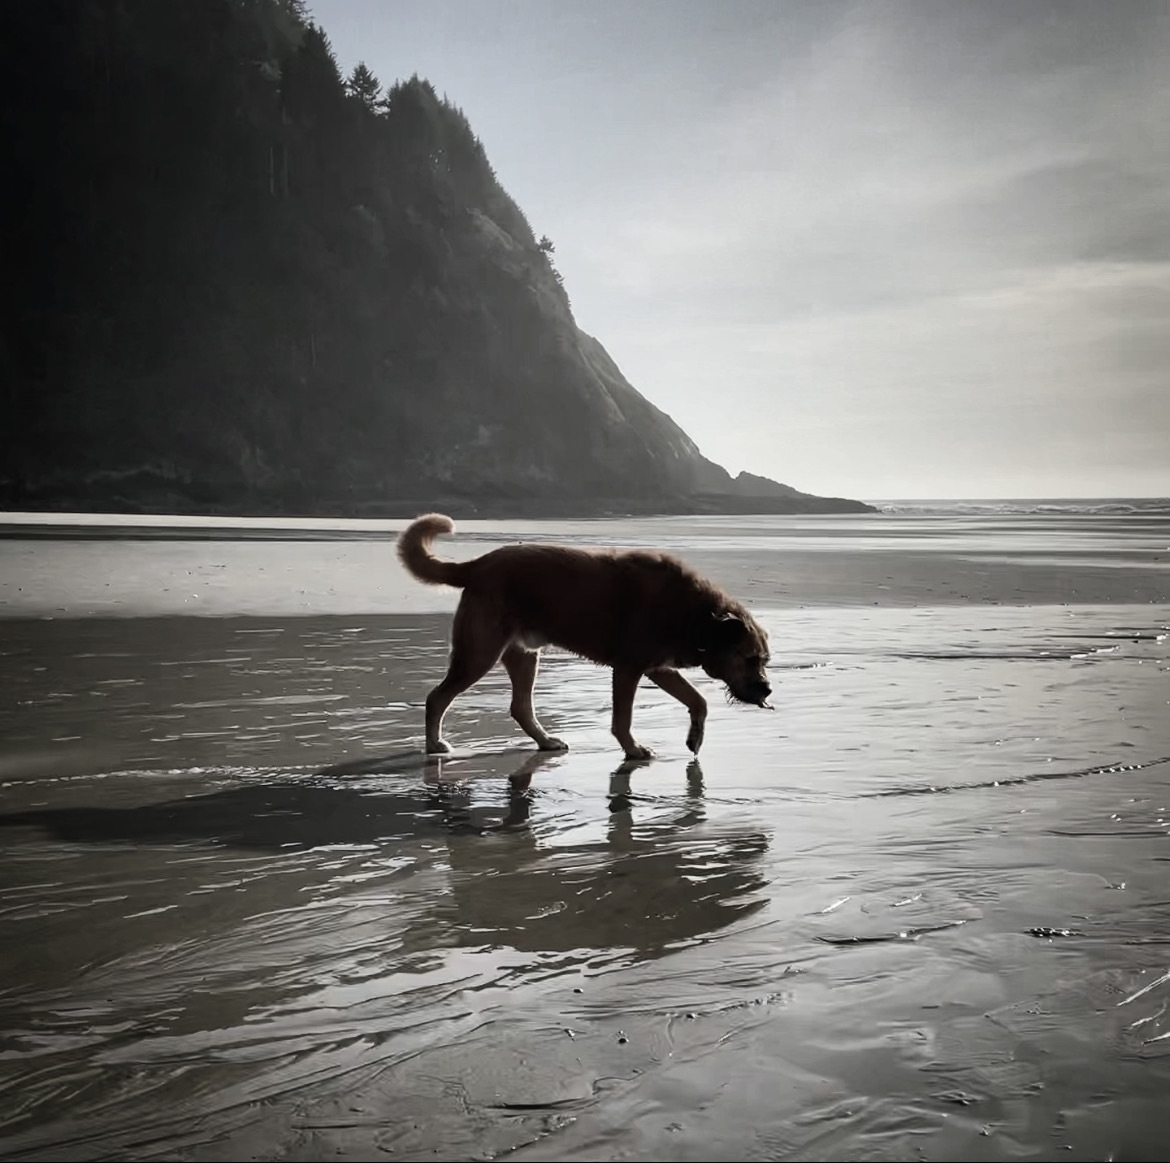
(920, 911)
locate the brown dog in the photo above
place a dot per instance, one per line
(640, 613)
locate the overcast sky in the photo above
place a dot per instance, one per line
(873, 249)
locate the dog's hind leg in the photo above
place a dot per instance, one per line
(477, 641)
(522, 666)
(679, 687)
(625, 685)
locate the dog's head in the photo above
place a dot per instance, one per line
(735, 651)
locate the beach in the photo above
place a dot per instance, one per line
(917, 911)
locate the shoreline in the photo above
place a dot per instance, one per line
(198, 527)
(496, 508)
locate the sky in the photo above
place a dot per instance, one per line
(875, 249)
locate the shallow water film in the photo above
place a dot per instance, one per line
(921, 910)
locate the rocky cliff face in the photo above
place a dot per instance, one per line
(250, 286)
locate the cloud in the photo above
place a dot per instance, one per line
(974, 385)
(856, 178)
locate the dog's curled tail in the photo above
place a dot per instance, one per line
(414, 551)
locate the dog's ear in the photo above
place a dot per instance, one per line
(721, 631)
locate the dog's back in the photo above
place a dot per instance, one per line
(631, 606)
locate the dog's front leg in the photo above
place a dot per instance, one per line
(625, 684)
(521, 666)
(677, 686)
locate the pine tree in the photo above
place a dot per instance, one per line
(364, 86)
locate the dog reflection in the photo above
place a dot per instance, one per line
(641, 886)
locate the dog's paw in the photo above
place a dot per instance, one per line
(695, 737)
(439, 747)
(639, 752)
(553, 744)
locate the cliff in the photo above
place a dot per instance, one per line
(247, 285)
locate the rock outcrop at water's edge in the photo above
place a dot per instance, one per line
(249, 286)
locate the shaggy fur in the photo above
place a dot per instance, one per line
(640, 613)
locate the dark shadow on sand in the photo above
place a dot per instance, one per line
(311, 812)
(271, 816)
